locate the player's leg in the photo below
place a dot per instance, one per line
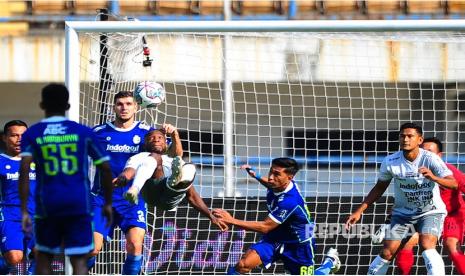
(330, 264)
(48, 237)
(44, 263)
(404, 258)
(260, 253)
(453, 238)
(398, 231)
(11, 245)
(182, 174)
(78, 241)
(248, 261)
(430, 229)
(101, 231)
(133, 226)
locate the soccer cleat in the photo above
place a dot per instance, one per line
(334, 256)
(378, 236)
(132, 195)
(176, 172)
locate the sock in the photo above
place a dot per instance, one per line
(325, 267)
(5, 267)
(404, 261)
(232, 271)
(91, 262)
(31, 270)
(378, 266)
(132, 264)
(434, 262)
(459, 261)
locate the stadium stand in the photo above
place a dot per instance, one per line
(419, 6)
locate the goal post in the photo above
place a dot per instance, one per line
(331, 94)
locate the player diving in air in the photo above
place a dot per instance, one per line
(163, 181)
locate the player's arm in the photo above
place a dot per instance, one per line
(448, 182)
(376, 192)
(253, 173)
(197, 202)
(175, 149)
(106, 179)
(263, 227)
(24, 169)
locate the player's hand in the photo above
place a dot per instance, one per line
(120, 181)
(249, 170)
(26, 224)
(223, 215)
(107, 212)
(427, 173)
(353, 219)
(169, 129)
(219, 223)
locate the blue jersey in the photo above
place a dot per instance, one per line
(288, 209)
(60, 149)
(10, 202)
(120, 144)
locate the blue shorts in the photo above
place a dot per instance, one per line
(12, 237)
(125, 215)
(73, 233)
(296, 256)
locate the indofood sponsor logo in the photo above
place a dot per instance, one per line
(123, 148)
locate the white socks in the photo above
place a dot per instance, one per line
(434, 262)
(378, 266)
(144, 172)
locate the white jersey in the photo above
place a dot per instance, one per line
(145, 166)
(414, 195)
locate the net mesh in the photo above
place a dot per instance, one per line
(333, 101)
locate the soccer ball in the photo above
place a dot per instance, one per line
(149, 94)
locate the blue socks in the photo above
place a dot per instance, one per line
(324, 268)
(5, 267)
(232, 271)
(132, 264)
(32, 267)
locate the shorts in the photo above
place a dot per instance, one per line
(72, 235)
(296, 257)
(453, 226)
(12, 237)
(403, 227)
(156, 193)
(125, 215)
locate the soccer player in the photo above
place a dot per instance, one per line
(122, 139)
(286, 228)
(63, 215)
(11, 236)
(418, 206)
(452, 234)
(163, 181)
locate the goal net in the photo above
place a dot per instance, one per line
(334, 101)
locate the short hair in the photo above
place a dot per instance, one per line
(13, 123)
(123, 94)
(434, 140)
(55, 98)
(415, 126)
(290, 165)
(162, 131)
